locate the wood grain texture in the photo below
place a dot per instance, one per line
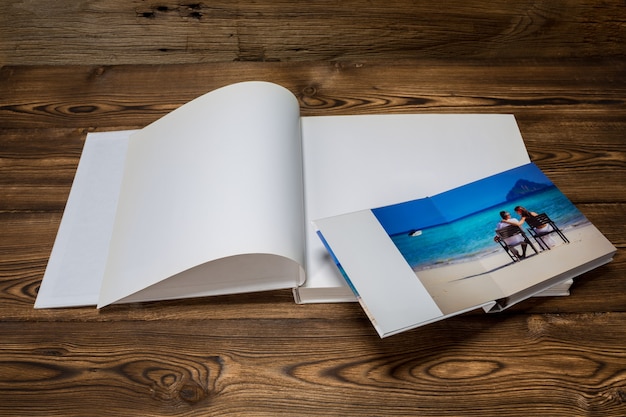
(114, 96)
(570, 114)
(70, 67)
(557, 365)
(168, 32)
(260, 354)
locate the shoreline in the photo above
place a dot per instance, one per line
(461, 285)
(485, 253)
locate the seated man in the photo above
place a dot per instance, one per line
(512, 241)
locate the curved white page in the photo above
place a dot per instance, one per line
(218, 177)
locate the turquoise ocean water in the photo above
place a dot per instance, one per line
(471, 237)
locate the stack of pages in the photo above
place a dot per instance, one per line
(236, 192)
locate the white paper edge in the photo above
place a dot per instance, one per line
(76, 265)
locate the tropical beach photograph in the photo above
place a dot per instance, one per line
(451, 240)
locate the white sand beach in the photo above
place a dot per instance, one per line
(460, 286)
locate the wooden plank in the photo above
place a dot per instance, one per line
(28, 238)
(562, 364)
(166, 32)
(133, 96)
(37, 167)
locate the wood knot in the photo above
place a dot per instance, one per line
(98, 71)
(191, 393)
(620, 395)
(51, 351)
(536, 325)
(309, 91)
(310, 97)
(83, 109)
(464, 369)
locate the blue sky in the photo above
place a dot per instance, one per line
(456, 203)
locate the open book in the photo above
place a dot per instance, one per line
(462, 249)
(219, 195)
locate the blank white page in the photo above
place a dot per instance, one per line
(360, 162)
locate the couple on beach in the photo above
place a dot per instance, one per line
(515, 240)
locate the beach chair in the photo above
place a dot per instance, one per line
(535, 231)
(511, 231)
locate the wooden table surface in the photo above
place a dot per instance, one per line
(69, 68)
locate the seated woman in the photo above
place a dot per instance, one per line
(542, 230)
(513, 240)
